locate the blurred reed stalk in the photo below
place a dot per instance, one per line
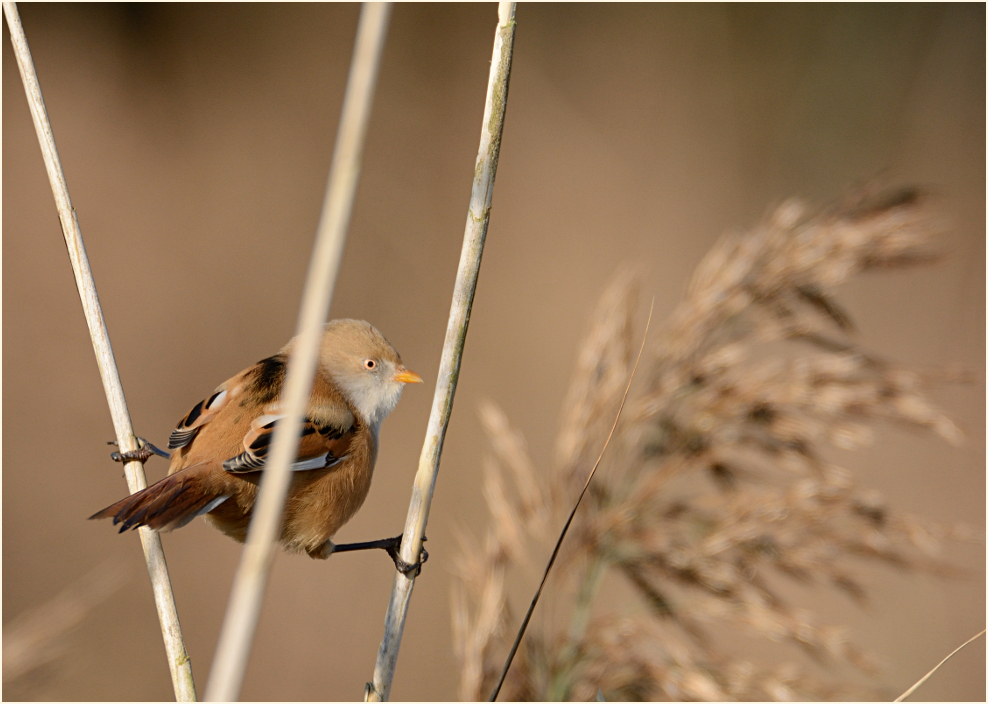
(240, 623)
(719, 482)
(178, 660)
(464, 288)
(35, 637)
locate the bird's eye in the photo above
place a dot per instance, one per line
(369, 364)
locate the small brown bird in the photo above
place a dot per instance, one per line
(222, 444)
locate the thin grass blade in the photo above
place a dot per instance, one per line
(572, 514)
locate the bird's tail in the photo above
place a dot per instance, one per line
(165, 505)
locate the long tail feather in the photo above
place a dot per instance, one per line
(165, 505)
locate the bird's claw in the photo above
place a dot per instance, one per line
(141, 454)
(409, 570)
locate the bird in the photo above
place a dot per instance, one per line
(220, 448)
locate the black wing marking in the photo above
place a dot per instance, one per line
(320, 446)
(201, 413)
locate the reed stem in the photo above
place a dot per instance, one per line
(164, 600)
(449, 366)
(240, 624)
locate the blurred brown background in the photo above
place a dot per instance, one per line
(196, 141)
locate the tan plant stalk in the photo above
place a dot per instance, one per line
(250, 581)
(902, 697)
(164, 600)
(464, 288)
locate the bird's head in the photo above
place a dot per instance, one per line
(365, 367)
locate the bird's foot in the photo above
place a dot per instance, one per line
(394, 550)
(390, 545)
(141, 454)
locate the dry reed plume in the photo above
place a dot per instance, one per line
(718, 481)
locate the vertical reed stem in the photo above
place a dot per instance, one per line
(178, 660)
(456, 332)
(240, 624)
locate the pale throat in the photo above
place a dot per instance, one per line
(372, 399)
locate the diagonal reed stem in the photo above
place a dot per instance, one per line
(178, 660)
(577, 631)
(240, 624)
(908, 692)
(475, 232)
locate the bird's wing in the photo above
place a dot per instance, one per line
(327, 432)
(256, 386)
(201, 413)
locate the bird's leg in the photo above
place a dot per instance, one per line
(141, 454)
(393, 547)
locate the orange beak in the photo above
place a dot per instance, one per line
(407, 377)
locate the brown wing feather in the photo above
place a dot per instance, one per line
(327, 431)
(263, 384)
(165, 505)
(201, 413)
(321, 445)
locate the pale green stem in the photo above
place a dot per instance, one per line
(562, 678)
